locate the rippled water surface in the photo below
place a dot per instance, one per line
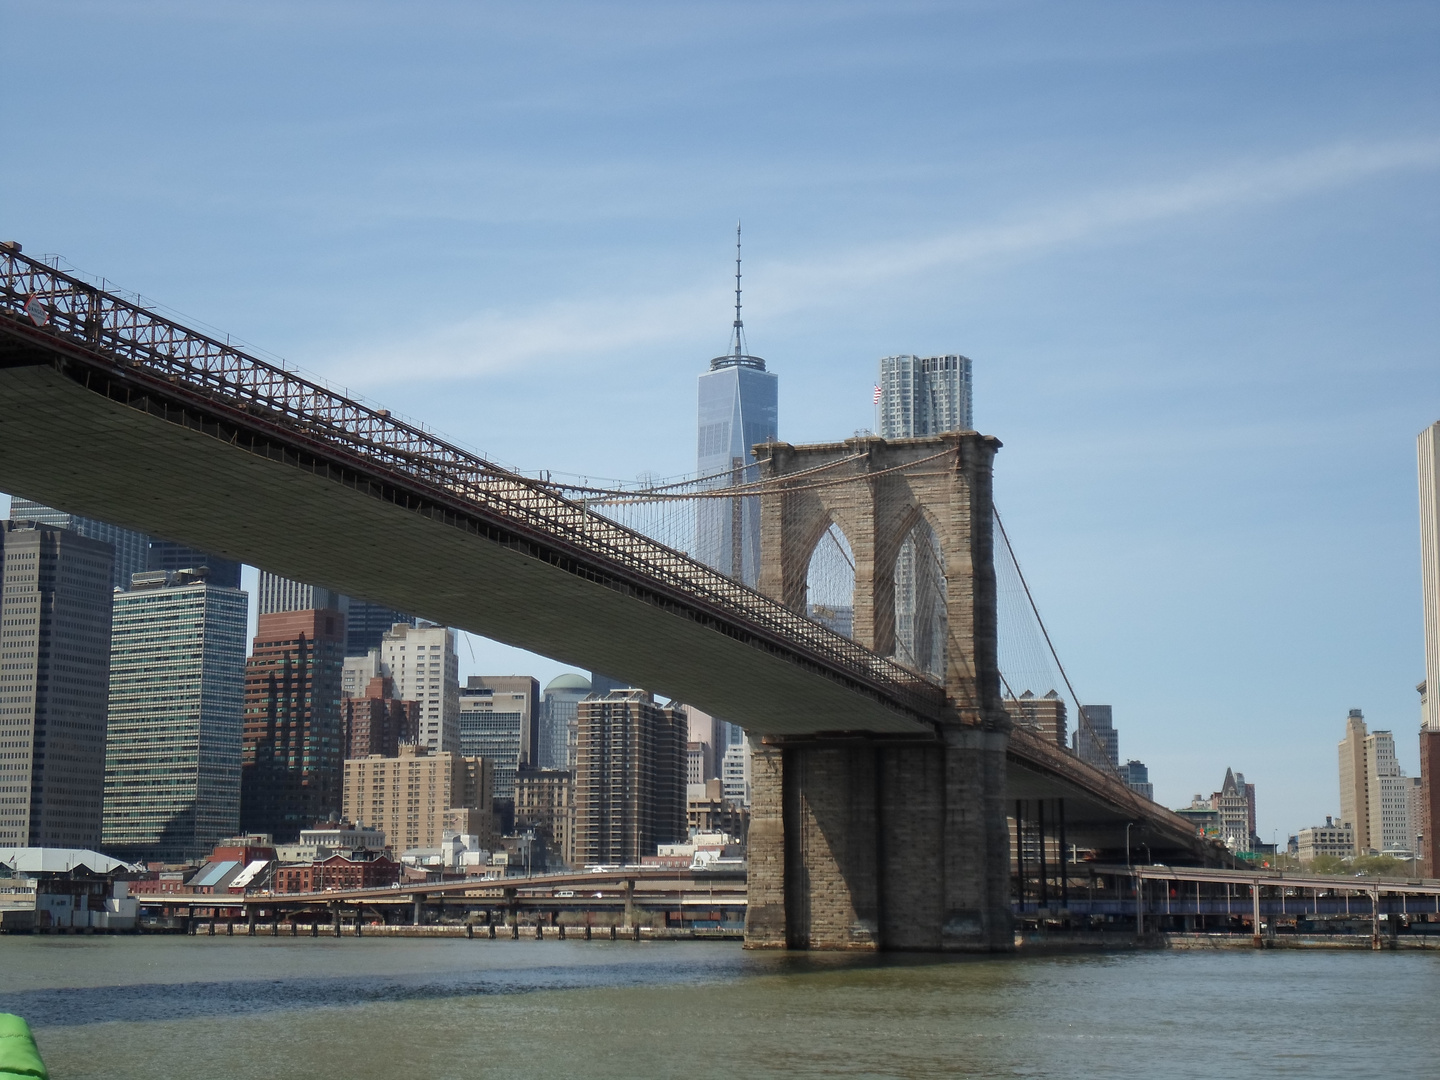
(157, 1007)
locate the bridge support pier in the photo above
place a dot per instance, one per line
(863, 844)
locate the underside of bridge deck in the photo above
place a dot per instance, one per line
(184, 478)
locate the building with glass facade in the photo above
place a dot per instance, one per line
(177, 694)
(55, 589)
(739, 407)
(499, 720)
(168, 555)
(132, 549)
(278, 593)
(291, 740)
(559, 715)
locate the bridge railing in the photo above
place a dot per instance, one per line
(40, 301)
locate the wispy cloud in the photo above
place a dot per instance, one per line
(495, 341)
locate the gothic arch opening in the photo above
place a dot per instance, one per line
(830, 582)
(921, 601)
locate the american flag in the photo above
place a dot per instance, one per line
(877, 396)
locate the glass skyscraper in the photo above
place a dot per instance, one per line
(177, 691)
(132, 549)
(739, 406)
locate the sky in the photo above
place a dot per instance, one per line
(1190, 248)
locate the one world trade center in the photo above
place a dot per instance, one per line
(738, 408)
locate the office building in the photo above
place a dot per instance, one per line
(545, 802)
(712, 735)
(1334, 838)
(707, 810)
(1043, 714)
(291, 763)
(1390, 792)
(366, 625)
(276, 594)
(1235, 805)
(925, 395)
(131, 549)
(177, 696)
(630, 781)
(169, 556)
(735, 773)
(1427, 819)
(500, 721)
(423, 663)
(135, 552)
(1137, 778)
(739, 408)
(357, 671)
(1096, 740)
(376, 722)
(407, 797)
(1203, 815)
(1377, 799)
(559, 720)
(55, 589)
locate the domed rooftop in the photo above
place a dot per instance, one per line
(568, 681)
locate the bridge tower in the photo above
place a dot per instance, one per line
(863, 841)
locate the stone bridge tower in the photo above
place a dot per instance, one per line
(871, 842)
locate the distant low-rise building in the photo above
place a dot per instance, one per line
(337, 872)
(1333, 838)
(1202, 815)
(65, 888)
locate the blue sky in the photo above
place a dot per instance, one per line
(1190, 248)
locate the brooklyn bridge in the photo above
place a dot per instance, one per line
(895, 803)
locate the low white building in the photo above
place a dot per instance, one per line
(64, 888)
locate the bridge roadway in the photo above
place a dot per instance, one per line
(111, 411)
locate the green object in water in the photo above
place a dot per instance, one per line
(18, 1056)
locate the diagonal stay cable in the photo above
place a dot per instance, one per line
(1084, 720)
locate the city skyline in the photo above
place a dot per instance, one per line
(1174, 304)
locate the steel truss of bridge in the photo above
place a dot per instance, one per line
(111, 410)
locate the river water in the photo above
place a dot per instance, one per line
(154, 1007)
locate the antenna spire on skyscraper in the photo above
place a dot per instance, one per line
(737, 356)
(739, 324)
